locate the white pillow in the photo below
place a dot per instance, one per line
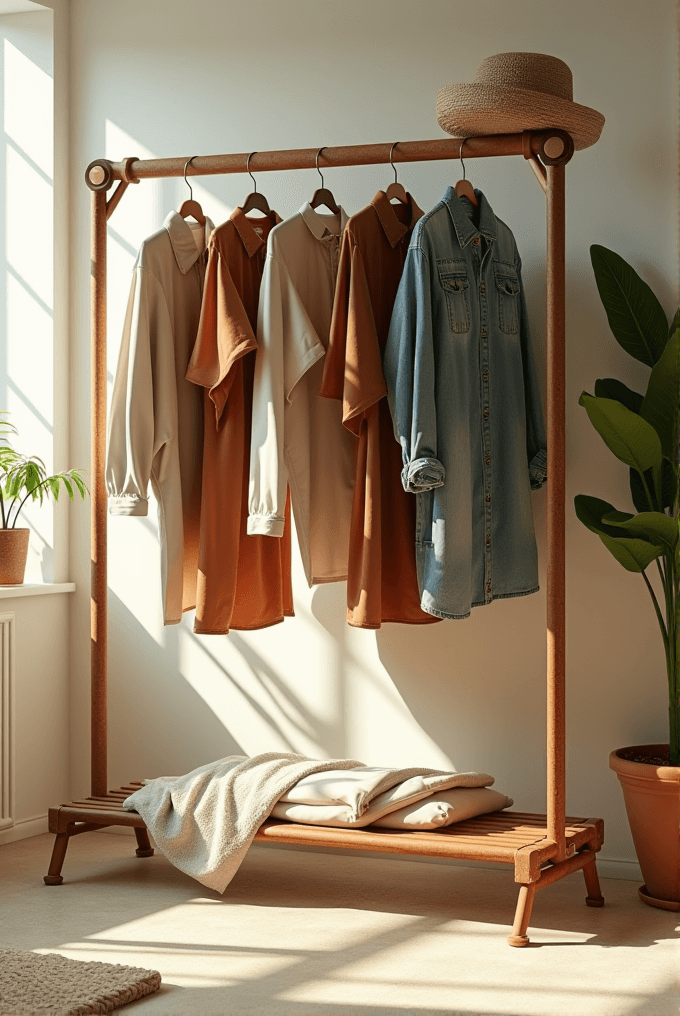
(445, 808)
(407, 792)
(356, 787)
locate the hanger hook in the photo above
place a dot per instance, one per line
(317, 164)
(249, 173)
(186, 165)
(391, 163)
(460, 155)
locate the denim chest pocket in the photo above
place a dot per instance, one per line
(454, 281)
(507, 291)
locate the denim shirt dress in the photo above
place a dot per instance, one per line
(466, 408)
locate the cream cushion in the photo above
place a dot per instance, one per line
(444, 808)
(346, 798)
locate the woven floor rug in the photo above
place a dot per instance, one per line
(32, 984)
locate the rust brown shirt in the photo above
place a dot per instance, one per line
(243, 581)
(382, 583)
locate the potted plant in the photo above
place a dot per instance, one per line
(23, 477)
(642, 431)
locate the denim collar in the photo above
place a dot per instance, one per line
(250, 238)
(464, 226)
(316, 224)
(394, 229)
(182, 240)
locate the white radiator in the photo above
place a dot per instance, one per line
(6, 720)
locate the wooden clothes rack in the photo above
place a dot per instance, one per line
(542, 848)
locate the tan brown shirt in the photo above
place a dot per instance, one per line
(243, 581)
(382, 583)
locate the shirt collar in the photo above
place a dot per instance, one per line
(394, 229)
(250, 238)
(464, 226)
(182, 240)
(316, 223)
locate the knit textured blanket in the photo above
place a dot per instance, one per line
(205, 821)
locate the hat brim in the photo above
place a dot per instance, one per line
(475, 110)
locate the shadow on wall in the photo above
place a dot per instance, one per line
(165, 705)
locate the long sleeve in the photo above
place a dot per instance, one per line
(352, 369)
(287, 347)
(141, 408)
(537, 456)
(409, 364)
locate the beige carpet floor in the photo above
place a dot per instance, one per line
(312, 934)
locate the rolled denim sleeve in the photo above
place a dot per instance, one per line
(537, 455)
(409, 365)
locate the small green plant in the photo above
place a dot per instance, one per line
(642, 431)
(25, 476)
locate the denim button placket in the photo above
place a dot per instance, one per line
(481, 264)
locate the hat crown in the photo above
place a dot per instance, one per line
(534, 72)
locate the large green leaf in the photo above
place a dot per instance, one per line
(635, 315)
(653, 526)
(668, 488)
(610, 388)
(634, 554)
(627, 435)
(661, 404)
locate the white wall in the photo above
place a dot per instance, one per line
(165, 78)
(34, 387)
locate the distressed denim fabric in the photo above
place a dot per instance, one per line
(466, 408)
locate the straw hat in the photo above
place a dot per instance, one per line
(515, 92)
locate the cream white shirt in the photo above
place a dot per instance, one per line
(156, 423)
(297, 437)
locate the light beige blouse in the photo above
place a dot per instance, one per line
(156, 424)
(297, 437)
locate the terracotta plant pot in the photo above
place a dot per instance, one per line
(13, 554)
(652, 796)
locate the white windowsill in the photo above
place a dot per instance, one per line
(36, 589)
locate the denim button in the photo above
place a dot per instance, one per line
(476, 241)
(487, 498)
(485, 414)
(482, 288)
(483, 334)
(488, 460)
(485, 375)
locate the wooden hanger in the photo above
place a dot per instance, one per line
(322, 196)
(464, 188)
(396, 189)
(191, 207)
(256, 201)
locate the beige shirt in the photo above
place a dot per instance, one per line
(156, 425)
(297, 437)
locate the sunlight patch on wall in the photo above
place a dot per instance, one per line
(134, 569)
(28, 108)
(247, 696)
(29, 230)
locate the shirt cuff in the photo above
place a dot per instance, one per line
(265, 525)
(128, 504)
(538, 469)
(422, 474)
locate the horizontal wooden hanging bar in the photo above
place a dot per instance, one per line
(554, 147)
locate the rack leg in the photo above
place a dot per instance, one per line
(144, 848)
(525, 904)
(54, 876)
(594, 897)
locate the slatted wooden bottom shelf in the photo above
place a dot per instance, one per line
(504, 836)
(511, 837)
